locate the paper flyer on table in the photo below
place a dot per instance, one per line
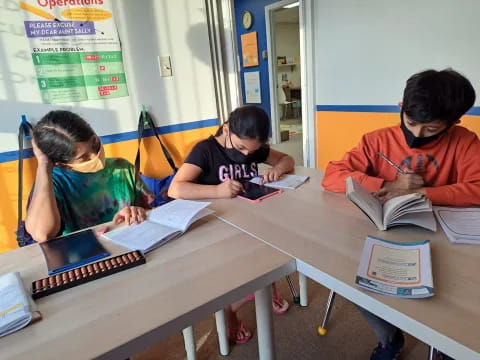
(396, 269)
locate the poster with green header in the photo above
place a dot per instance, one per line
(75, 49)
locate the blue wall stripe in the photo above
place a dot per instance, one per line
(360, 108)
(376, 108)
(130, 135)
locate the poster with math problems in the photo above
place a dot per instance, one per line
(75, 49)
(249, 49)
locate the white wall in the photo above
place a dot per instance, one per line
(147, 28)
(366, 50)
(287, 43)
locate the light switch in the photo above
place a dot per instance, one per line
(165, 66)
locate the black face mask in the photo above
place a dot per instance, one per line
(416, 142)
(234, 154)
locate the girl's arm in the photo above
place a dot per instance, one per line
(43, 218)
(281, 163)
(183, 185)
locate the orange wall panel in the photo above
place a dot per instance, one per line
(338, 132)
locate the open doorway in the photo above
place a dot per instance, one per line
(294, 108)
(289, 26)
(286, 35)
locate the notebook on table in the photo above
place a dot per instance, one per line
(287, 181)
(71, 251)
(163, 224)
(17, 308)
(411, 209)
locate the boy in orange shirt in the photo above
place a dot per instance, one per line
(440, 159)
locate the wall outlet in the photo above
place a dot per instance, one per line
(165, 66)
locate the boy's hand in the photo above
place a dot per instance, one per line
(229, 189)
(130, 215)
(271, 174)
(384, 195)
(407, 181)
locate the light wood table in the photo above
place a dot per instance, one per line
(209, 267)
(325, 232)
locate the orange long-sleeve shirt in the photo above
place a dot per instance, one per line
(450, 165)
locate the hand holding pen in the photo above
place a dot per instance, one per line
(406, 180)
(229, 188)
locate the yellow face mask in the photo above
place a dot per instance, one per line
(92, 165)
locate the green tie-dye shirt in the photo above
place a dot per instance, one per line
(86, 200)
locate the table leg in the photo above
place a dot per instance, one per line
(189, 340)
(222, 332)
(322, 330)
(302, 279)
(263, 309)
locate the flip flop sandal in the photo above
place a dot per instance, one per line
(280, 305)
(234, 334)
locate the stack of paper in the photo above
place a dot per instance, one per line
(461, 225)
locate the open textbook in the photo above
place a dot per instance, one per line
(461, 225)
(287, 181)
(162, 225)
(396, 269)
(17, 308)
(411, 209)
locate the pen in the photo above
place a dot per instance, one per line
(390, 162)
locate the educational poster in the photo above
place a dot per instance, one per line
(252, 87)
(250, 49)
(75, 49)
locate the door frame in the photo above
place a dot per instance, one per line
(307, 63)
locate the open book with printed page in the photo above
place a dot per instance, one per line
(411, 209)
(17, 308)
(163, 224)
(396, 269)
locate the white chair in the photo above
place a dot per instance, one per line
(283, 103)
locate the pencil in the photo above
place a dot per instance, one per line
(390, 162)
(35, 10)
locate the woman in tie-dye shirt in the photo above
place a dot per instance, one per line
(75, 186)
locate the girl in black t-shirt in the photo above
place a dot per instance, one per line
(215, 167)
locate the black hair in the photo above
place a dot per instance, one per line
(437, 95)
(248, 122)
(58, 132)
